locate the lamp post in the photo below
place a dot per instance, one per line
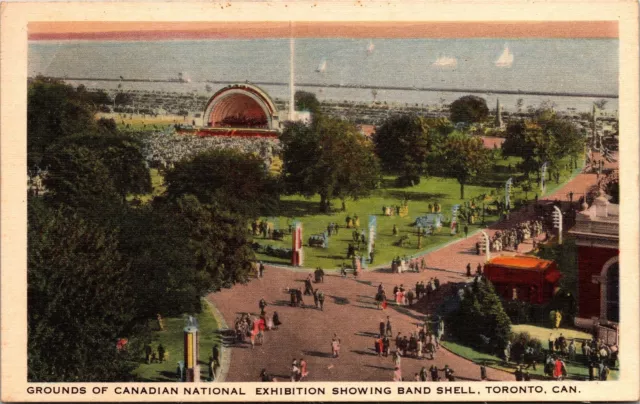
(191, 350)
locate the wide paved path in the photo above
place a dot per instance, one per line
(351, 313)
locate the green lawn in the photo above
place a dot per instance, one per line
(542, 333)
(172, 340)
(576, 370)
(445, 191)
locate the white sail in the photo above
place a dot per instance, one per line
(370, 48)
(505, 59)
(322, 67)
(445, 61)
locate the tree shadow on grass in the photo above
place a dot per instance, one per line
(332, 257)
(339, 300)
(413, 196)
(298, 208)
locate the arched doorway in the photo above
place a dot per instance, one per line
(610, 291)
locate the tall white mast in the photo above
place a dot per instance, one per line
(291, 74)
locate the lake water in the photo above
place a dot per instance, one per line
(542, 65)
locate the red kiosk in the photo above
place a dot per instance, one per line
(523, 278)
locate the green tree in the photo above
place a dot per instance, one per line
(469, 109)
(54, 110)
(306, 101)
(82, 166)
(406, 144)
(227, 180)
(158, 246)
(480, 313)
(329, 157)
(79, 300)
(219, 241)
(545, 138)
(465, 158)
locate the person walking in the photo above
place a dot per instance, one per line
(303, 369)
(483, 372)
(276, 320)
(434, 373)
(469, 270)
(261, 269)
(321, 300)
(335, 346)
(388, 330)
(262, 304)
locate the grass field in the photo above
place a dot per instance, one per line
(542, 333)
(444, 191)
(576, 370)
(140, 122)
(172, 340)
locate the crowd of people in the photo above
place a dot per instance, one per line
(252, 327)
(421, 343)
(510, 239)
(162, 150)
(405, 296)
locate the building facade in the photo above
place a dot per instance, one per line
(597, 237)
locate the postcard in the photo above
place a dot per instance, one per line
(319, 201)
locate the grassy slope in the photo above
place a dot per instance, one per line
(172, 340)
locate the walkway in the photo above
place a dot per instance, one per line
(351, 313)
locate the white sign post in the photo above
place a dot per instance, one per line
(507, 193)
(557, 222)
(487, 250)
(543, 175)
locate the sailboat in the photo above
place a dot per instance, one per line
(370, 48)
(445, 61)
(505, 59)
(322, 67)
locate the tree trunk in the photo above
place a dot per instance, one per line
(462, 190)
(325, 203)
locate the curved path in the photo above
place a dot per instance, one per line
(351, 313)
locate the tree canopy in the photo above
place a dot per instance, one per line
(95, 165)
(54, 110)
(469, 109)
(306, 101)
(465, 158)
(228, 180)
(545, 138)
(329, 157)
(80, 299)
(480, 313)
(406, 144)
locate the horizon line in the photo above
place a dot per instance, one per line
(154, 31)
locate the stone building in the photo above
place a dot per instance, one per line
(596, 233)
